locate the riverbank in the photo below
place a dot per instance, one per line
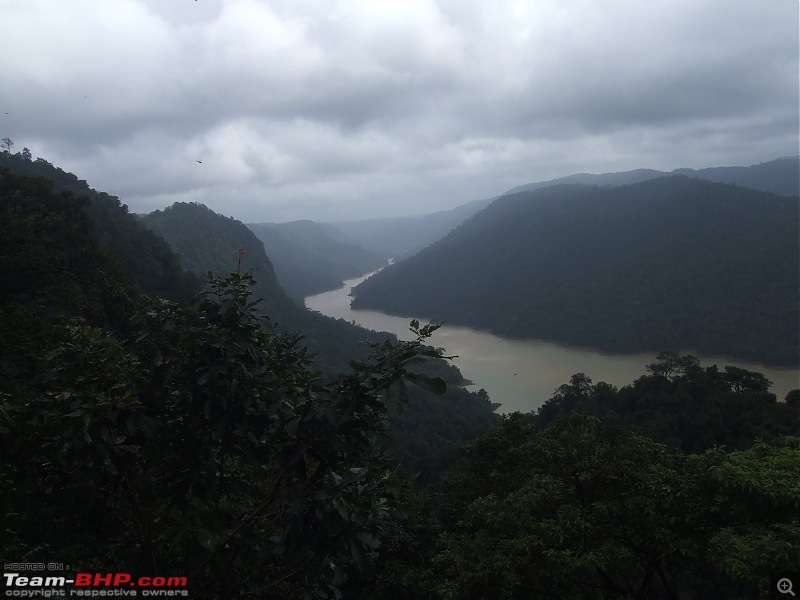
(523, 374)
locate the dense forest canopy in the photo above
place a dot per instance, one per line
(184, 224)
(668, 264)
(144, 257)
(197, 437)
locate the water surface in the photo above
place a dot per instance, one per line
(521, 374)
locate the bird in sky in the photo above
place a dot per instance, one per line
(198, 161)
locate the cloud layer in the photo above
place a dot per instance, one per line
(330, 109)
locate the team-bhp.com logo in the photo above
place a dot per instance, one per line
(26, 585)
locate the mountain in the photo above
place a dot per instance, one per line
(190, 436)
(426, 435)
(207, 242)
(604, 179)
(311, 258)
(780, 176)
(666, 264)
(144, 257)
(399, 237)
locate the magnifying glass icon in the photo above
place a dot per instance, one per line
(785, 586)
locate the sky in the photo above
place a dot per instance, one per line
(275, 110)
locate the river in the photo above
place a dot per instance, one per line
(521, 374)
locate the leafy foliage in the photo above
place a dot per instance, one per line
(204, 445)
(682, 404)
(584, 510)
(52, 269)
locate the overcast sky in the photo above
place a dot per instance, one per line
(328, 109)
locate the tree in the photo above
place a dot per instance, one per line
(26, 154)
(583, 510)
(669, 364)
(742, 380)
(567, 398)
(7, 143)
(204, 444)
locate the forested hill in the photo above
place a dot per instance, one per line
(780, 176)
(426, 435)
(400, 237)
(671, 263)
(207, 241)
(145, 258)
(311, 258)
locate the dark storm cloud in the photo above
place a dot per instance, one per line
(326, 109)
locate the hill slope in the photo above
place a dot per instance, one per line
(207, 241)
(427, 434)
(311, 258)
(671, 263)
(780, 176)
(401, 237)
(145, 258)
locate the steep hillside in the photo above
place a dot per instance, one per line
(207, 241)
(604, 179)
(427, 434)
(401, 237)
(311, 258)
(671, 263)
(145, 258)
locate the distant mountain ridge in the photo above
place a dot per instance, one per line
(669, 263)
(401, 237)
(780, 176)
(311, 258)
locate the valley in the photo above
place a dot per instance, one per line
(663, 264)
(521, 374)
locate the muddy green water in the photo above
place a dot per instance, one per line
(522, 374)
